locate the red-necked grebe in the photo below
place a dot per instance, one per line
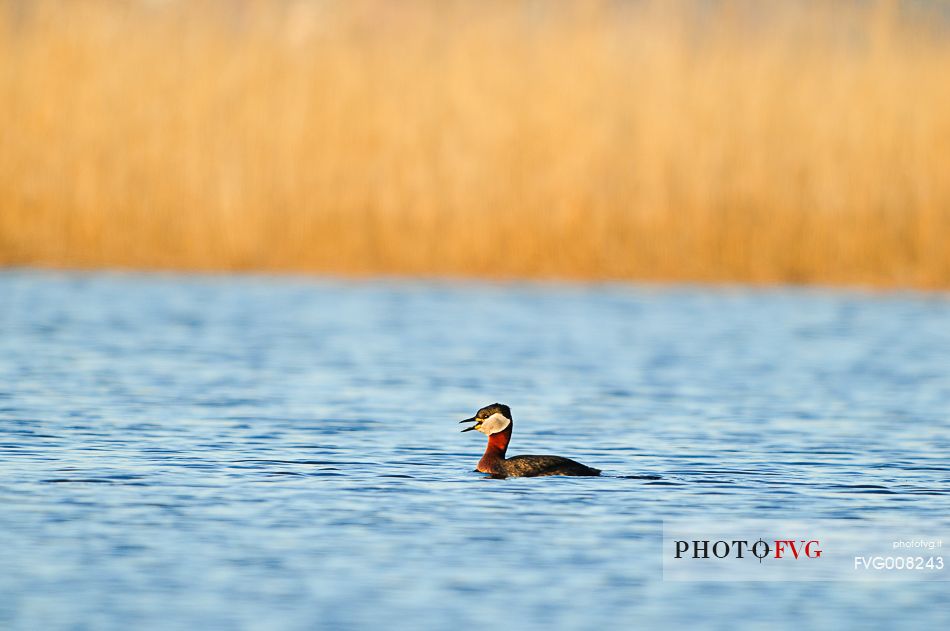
(495, 422)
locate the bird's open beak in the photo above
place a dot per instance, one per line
(470, 420)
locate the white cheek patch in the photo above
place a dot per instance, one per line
(494, 424)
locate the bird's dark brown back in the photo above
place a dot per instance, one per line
(529, 466)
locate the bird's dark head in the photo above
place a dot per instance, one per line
(491, 419)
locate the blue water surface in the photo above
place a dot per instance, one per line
(214, 452)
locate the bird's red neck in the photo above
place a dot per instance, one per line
(495, 451)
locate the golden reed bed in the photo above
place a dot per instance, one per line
(750, 141)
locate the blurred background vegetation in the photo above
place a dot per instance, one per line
(787, 141)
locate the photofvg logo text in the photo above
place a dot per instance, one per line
(823, 550)
(741, 548)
